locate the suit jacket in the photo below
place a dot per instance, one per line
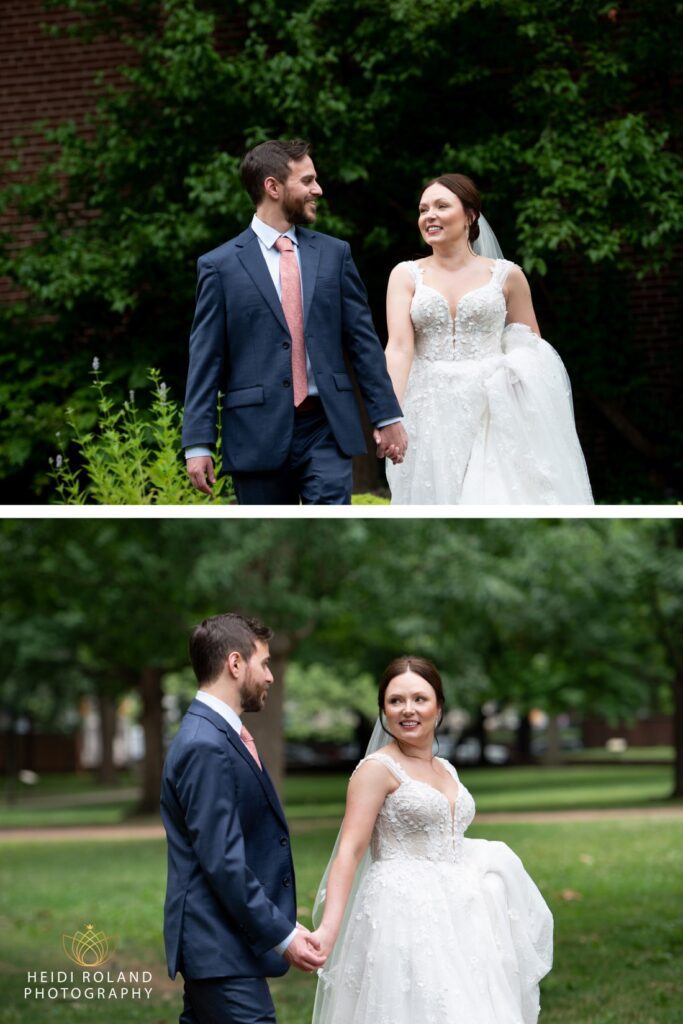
(230, 895)
(240, 345)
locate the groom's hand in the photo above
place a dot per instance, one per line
(304, 951)
(201, 473)
(391, 441)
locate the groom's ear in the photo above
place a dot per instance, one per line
(271, 187)
(233, 662)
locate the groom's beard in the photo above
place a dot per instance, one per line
(252, 694)
(296, 211)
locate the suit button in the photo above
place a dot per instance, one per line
(285, 344)
(286, 881)
(286, 382)
(283, 841)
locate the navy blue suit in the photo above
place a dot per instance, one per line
(240, 345)
(230, 894)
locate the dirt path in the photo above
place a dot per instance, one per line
(156, 831)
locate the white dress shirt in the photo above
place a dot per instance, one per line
(233, 719)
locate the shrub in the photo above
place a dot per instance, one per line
(131, 457)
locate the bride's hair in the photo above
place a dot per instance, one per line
(421, 667)
(468, 194)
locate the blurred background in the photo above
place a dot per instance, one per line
(560, 646)
(558, 640)
(121, 129)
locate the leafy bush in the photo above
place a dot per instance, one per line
(130, 457)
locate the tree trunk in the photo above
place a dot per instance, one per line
(107, 709)
(524, 740)
(678, 735)
(553, 750)
(149, 686)
(480, 734)
(10, 762)
(267, 726)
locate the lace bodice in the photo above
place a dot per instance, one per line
(477, 329)
(415, 821)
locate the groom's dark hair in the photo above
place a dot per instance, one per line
(213, 640)
(270, 160)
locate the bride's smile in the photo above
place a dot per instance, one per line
(411, 709)
(442, 218)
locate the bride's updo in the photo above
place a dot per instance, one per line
(468, 194)
(421, 667)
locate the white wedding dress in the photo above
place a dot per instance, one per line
(488, 408)
(442, 929)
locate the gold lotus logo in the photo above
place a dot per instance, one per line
(88, 948)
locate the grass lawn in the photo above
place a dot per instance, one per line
(574, 787)
(619, 942)
(665, 754)
(535, 788)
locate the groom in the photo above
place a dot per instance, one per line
(230, 911)
(278, 309)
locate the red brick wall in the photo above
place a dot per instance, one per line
(42, 78)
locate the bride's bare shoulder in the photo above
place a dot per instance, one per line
(404, 271)
(388, 749)
(376, 766)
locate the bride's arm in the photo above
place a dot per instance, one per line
(401, 344)
(367, 791)
(520, 308)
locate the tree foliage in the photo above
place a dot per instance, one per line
(563, 113)
(580, 616)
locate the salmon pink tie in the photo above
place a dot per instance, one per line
(290, 285)
(248, 741)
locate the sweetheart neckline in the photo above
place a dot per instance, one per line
(487, 284)
(452, 809)
(434, 789)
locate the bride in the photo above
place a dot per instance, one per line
(487, 401)
(430, 927)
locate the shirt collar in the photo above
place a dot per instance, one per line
(268, 235)
(221, 708)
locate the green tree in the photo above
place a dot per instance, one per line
(565, 116)
(123, 596)
(569, 616)
(579, 616)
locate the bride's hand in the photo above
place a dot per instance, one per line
(325, 940)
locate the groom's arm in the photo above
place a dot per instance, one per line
(364, 348)
(206, 792)
(207, 358)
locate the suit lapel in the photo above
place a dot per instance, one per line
(251, 258)
(271, 793)
(198, 708)
(260, 773)
(309, 255)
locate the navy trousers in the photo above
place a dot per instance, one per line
(227, 1001)
(316, 471)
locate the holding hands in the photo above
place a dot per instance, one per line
(391, 441)
(304, 951)
(325, 940)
